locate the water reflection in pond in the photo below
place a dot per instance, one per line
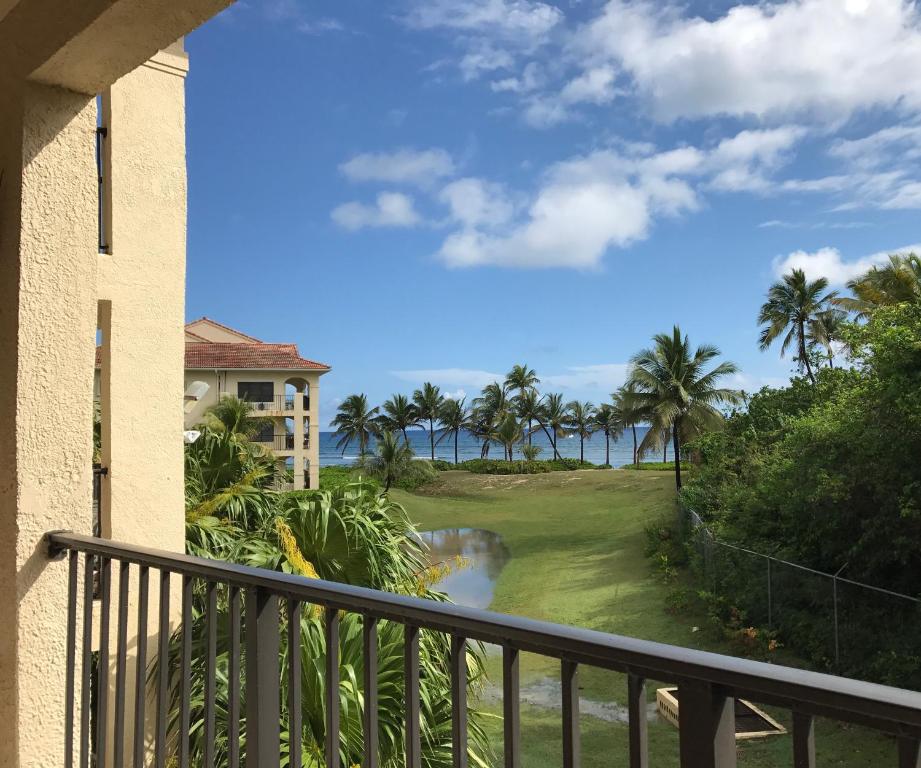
(486, 556)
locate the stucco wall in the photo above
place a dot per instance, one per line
(47, 322)
(141, 289)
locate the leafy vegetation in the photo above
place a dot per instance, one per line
(350, 532)
(826, 475)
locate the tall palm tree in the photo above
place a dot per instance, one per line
(610, 421)
(428, 402)
(399, 414)
(521, 378)
(355, 421)
(527, 408)
(454, 417)
(897, 282)
(672, 384)
(581, 420)
(792, 303)
(825, 330)
(552, 419)
(632, 411)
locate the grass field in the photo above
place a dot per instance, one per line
(577, 557)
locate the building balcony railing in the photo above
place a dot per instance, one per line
(282, 442)
(278, 404)
(707, 683)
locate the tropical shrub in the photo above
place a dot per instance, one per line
(354, 535)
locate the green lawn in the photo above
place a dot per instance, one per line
(576, 541)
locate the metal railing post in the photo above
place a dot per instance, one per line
(707, 735)
(770, 596)
(263, 726)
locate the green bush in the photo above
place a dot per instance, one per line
(417, 473)
(336, 476)
(441, 465)
(658, 466)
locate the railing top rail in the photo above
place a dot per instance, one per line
(891, 709)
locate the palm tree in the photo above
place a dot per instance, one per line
(609, 420)
(552, 419)
(897, 282)
(507, 433)
(399, 414)
(527, 408)
(453, 417)
(393, 457)
(672, 385)
(489, 410)
(355, 421)
(792, 303)
(428, 402)
(632, 411)
(233, 415)
(825, 330)
(581, 420)
(521, 378)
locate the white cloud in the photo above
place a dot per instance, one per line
(523, 22)
(449, 377)
(595, 85)
(610, 198)
(319, 26)
(391, 209)
(484, 59)
(475, 202)
(825, 58)
(600, 378)
(829, 263)
(604, 377)
(531, 78)
(897, 143)
(403, 166)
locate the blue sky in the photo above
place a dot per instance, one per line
(437, 189)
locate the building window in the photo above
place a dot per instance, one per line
(256, 391)
(101, 133)
(266, 433)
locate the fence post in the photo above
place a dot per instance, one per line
(706, 730)
(262, 684)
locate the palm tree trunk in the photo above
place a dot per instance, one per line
(804, 358)
(581, 449)
(405, 436)
(607, 449)
(831, 359)
(549, 437)
(432, 437)
(633, 427)
(456, 431)
(529, 431)
(676, 441)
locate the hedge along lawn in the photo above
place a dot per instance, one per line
(577, 543)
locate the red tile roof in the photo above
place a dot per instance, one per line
(206, 319)
(255, 356)
(211, 355)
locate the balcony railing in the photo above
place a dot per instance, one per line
(282, 442)
(282, 403)
(707, 683)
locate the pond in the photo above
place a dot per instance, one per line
(485, 554)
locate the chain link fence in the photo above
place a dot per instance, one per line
(840, 624)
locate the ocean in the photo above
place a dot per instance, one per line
(469, 448)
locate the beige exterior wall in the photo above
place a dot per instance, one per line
(225, 382)
(47, 323)
(143, 340)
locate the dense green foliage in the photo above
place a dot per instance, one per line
(828, 476)
(349, 531)
(505, 467)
